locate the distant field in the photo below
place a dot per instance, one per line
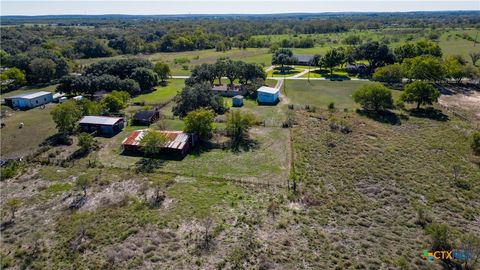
(162, 94)
(321, 93)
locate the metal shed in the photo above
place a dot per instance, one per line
(237, 101)
(267, 95)
(29, 100)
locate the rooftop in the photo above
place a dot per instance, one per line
(144, 114)
(227, 87)
(269, 90)
(176, 139)
(99, 120)
(31, 95)
(304, 57)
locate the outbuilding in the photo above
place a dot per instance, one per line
(102, 125)
(178, 142)
(29, 100)
(237, 101)
(267, 95)
(145, 117)
(304, 59)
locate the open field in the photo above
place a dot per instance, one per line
(19, 142)
(321, 93)
(367, 186)
(161, 94)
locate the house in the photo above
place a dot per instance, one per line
(237, 101)
(145, 117)
(304, 59)
(29, 100)
(103, 125)
(178, 141)
(267, 95)
(229, 90)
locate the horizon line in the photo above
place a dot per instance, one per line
(245, 14)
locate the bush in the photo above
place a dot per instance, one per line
(388, 74)
(421, 93)
(440, 234)
(476, 142)
(373, 96)
(200, 122)
(238, 124)
(9, 170)
(85, 141)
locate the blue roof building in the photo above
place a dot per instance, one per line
(29, 100)
(267, 95)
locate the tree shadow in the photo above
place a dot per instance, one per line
(430, 113)
(148, 165)
(57, 139)
(387, 117)
(244, 145)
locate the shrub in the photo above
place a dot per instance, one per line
(388, 74)
(238, 124)
(476, 142)
(9, 170)
(200, 122)
(331, 106)
(152, 142)
(85, 141)
(373, 96)
(440, 234)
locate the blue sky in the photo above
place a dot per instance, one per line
(149, 7)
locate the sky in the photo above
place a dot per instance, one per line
(160, 7)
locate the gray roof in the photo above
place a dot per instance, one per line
(99, 120)
(304, 57)
(30, 95)
(266, 89)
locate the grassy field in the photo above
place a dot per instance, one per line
(18, 142)
(365, 188)
(321, 93)
(161, 94)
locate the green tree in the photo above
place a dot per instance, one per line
(197, 96)
(13, 204)
(112, 104)
(12, 78)
(420, 92)
(83, 182)
(200, 122)
(122, 95)
(373, 96)
(332, 59)
(41, 70)
(454, 69)
(377, 54)
(86, 142)
(153, 142)
(238, 124)
(426, 68)
(283, 57)
(162, 70)
(88, 107)
(66, 115)
(145, 77)
(388, 74)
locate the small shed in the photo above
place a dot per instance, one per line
(178, 142)
(29, 100)
(103, 125)
(145, 117)
(237, 101)
(267, 95)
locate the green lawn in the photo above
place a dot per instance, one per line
(321, 93)
(276, 72)
(162, 94)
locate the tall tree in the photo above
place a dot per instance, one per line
(375, 53)
(283, 57)
(65, 116)
(162, 70)
(332, 59)
(200, 122)
(421, 93)
(145, 77)
(196, 96)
